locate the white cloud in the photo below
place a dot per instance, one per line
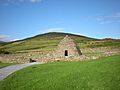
(35, 1)
(105, 22)
(15, 39)
(3, 38)
(80, 33)
(8, 2)
(55, 30)
(115, 18)
(52, 30)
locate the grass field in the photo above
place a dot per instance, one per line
(101, 74)
(5, 64)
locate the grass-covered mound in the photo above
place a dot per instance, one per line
(102, 74)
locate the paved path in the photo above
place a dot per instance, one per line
(4, 72)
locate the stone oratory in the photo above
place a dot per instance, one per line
(67, 48)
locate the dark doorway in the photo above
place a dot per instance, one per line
(66, 52)
(31, 60)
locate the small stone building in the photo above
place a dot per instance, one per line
(67, 48)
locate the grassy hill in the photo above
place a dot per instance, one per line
(49, 41)
(101, 74)
(2, 43)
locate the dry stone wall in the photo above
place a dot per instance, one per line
(88, 54)
(25, 57)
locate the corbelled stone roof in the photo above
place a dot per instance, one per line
(66, 40)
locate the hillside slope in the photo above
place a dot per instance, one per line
(49, 41)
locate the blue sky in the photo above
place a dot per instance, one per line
(93, 18)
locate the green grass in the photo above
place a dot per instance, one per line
(106, 43)
(101, 74)
(49, 42)
(5, 64)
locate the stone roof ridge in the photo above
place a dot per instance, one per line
(66, 36)
(67, 39)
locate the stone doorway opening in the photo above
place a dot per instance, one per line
(66, 52)
(31, 60)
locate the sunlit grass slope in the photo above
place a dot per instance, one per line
(43, 42)
(49, 41)
(101, 74)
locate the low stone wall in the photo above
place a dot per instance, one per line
(88, 54)
(25, 57)
(13, 58)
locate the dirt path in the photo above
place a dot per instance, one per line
(4, 72)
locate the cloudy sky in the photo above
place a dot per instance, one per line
(25, 18)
